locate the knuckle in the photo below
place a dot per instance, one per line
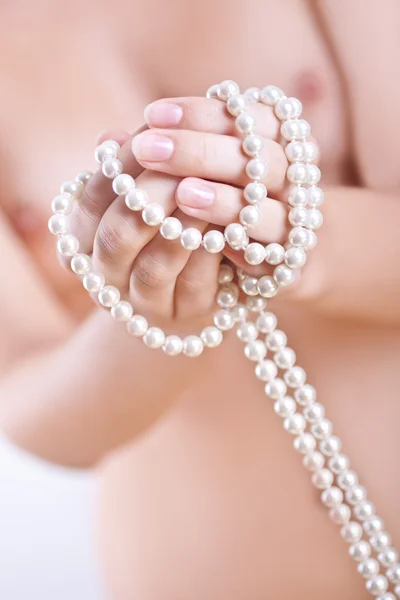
(206, 151)
(110, 240)
(150, 272)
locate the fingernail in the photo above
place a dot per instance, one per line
(162, 114)
(195, 193)
(152, 147)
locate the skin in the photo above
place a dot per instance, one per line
(198, 477)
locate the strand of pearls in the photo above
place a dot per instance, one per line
(303, 417)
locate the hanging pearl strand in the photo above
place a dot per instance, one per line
(303, 417)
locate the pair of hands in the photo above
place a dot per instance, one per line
(190, 161)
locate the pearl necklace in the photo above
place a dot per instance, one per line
(303, 417)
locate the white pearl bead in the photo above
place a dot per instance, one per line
(83, 176)
(373, 525)
(288, 108)
(235, 235)
(360, 550)
(225, 274)
(332, 496)
(351, 532)
(322, 479)
(284, 276)
(254, 254)
(192, 346)
(211, 337)
(364, 510)
(93, 282)
(247, 331)
(276, 340)
(285, 358)
(245, 123)
(295, 377)
(295, 258)
(316, 196)
(330, 446)
(305, 443)
(213, 92)
(390, 596)
(227, 297)
(267, 287)
(323, 429)
(356, 494)
(252, 95)
(339, 463)
(298, 196)
(112, 144)
(377, 585)
(68, 245)
(173, 345)
(388, 557)
(312, 240)
(136, 199)
(394, 574)
(295, 151)
(223, 319)
(305, 395)
(111, 168)
(381, 541)
(249, 286)
(137, 326)
(298, 216)
(313, 174)
(250, 216)
(276, 388)
(109, 296)
(256, 303)
(214, 241)
(227, 89)
(314, 413)
(62, 204)
(285, 407)
(153, 214)
(122, 311)
(311, 152)
(240, 313)
(122, 184)
(236, 104)
(105, 151)
(295, 129)
(171, 228)
(255, 192)
(191, 238)
(266, 322)
(299, 237)
(274, 253)
(295, 424)
(313, 461)
(271, 94)
(81, 264)
(58, 224)
(297, 173)
(340, 515)
(74, 188)
(314, 218)
(347, 479)
(266, 370)
(256, 169)
(154, 337)
(255, 350)
(253, 144)
(368, 567)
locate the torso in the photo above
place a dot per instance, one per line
(213, 502)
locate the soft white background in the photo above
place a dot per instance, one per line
(47, 530)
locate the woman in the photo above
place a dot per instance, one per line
(210, 501)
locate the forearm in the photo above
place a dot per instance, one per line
(354, 271)
(101, 389)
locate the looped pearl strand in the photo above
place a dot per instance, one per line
(294, 399)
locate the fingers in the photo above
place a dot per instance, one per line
(122, 234)
(207, 116)
(156, 268)
(209, 156)
(221, 204)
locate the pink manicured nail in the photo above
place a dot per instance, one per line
(151, 147)
(162, 114)
(195, 193)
